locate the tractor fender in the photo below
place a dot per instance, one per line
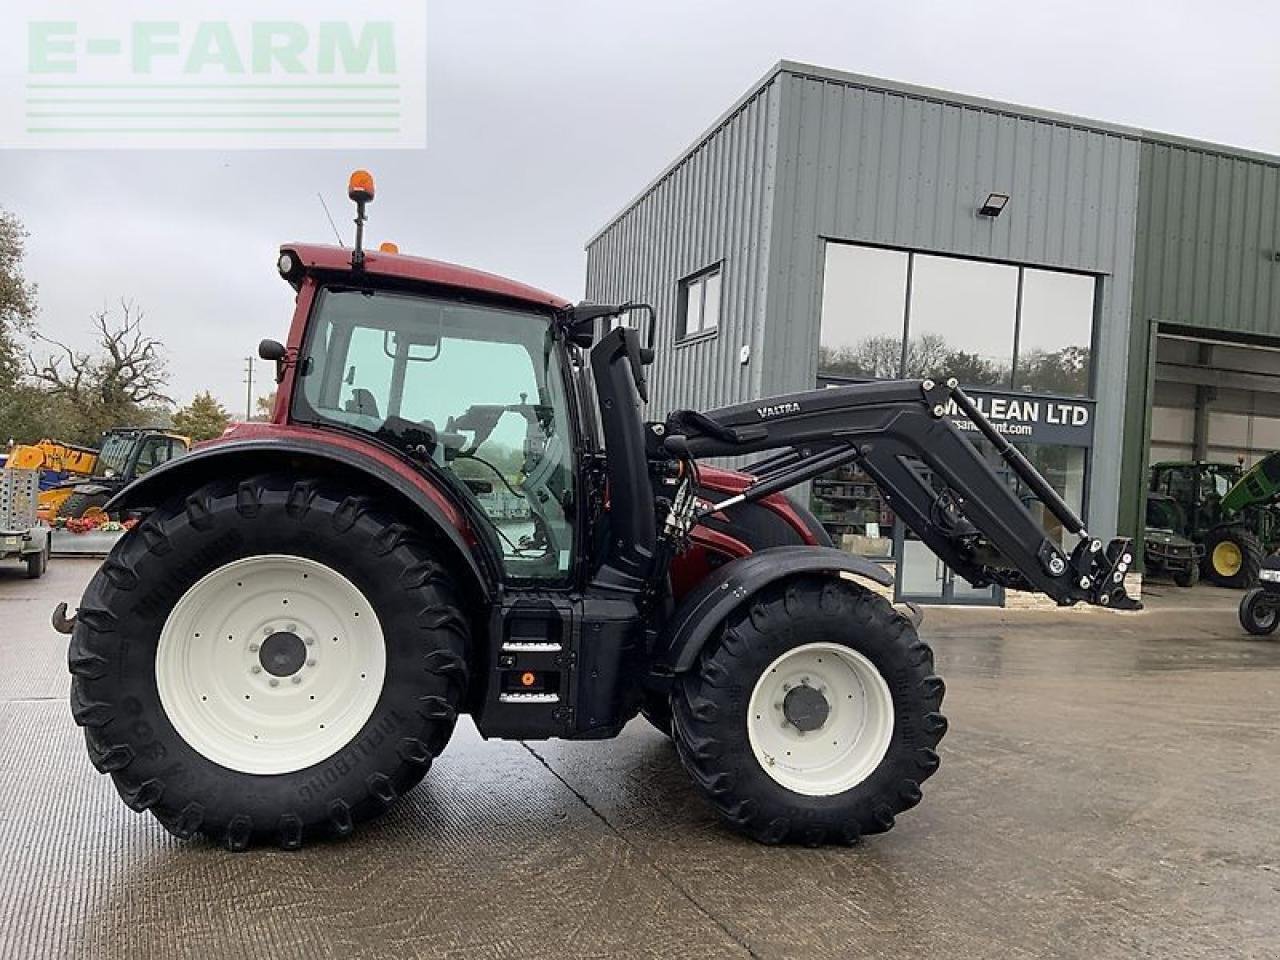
(707, 605)
(295, 455)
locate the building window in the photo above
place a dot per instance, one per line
(893, 313)
(961, 320)
(864, 303)
(700, 303)
(1003, 329)
(1055, 333)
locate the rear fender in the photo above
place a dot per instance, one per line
(305, 456)
(733, 584)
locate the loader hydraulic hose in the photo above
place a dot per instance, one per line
(1018, 463)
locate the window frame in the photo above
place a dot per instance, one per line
(301, 411)
(699, 280)
(1099, 280)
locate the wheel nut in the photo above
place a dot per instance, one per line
(309, 641)
(255, 669)
(275, 682)
(267, 631)
(253, 648)
(311, 663)
(296, 678)
(292, 628)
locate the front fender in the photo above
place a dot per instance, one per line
(301, 456)
(706, 606)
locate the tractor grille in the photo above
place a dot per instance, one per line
(19, 491)
(1175, 551)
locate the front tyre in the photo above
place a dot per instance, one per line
(268, 661)
(1260, 612)
(80, 505)
(813, 717)
(1233, 557)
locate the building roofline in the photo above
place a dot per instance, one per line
(753, 91)
(812, 71)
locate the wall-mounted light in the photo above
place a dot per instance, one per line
(993, 205)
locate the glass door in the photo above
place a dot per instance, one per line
(923, 578)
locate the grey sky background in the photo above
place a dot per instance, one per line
(546, 116)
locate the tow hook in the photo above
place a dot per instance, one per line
(61, 622)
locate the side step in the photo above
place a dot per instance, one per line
(528, 697)
(531, 669)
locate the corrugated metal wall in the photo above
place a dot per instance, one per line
(714, 206)
(812, 154)
(873, 165)
(1208, 227)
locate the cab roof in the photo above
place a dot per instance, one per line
(399, 266)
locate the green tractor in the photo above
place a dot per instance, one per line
(1228, 511)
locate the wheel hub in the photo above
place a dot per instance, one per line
(282, 654)
(820, 718)
(270, 664)
(805, 708)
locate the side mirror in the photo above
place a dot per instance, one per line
(274, 351)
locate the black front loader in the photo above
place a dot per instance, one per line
(900, 433)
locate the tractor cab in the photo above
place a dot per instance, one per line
(479, 391)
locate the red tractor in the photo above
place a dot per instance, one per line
(459, 507)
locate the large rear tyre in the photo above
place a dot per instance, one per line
(813, 716)
(1232, 557)
(268, 661)
(1260, 612)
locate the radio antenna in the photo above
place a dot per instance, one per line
(336, 233)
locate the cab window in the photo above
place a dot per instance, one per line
(478, 390)
(154, 452)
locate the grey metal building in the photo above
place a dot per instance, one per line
(831, 226)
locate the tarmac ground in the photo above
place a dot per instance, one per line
(1110, 787)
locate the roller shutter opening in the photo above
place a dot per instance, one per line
(1215, 400)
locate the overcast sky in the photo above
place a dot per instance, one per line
(546, 116)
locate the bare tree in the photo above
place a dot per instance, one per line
(129, 367)
(124, 372)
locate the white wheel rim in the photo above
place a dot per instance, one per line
(217, 674)
(852, 739)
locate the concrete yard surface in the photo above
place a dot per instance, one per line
(1110, 788)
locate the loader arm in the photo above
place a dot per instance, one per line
(899, 432)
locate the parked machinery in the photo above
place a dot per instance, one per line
(22, 535)
(1229, 512)
(126, 454)
(1165, 552)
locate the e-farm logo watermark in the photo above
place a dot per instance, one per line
(275, 74)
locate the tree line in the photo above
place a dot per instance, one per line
(880, 357)
(50, 389)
